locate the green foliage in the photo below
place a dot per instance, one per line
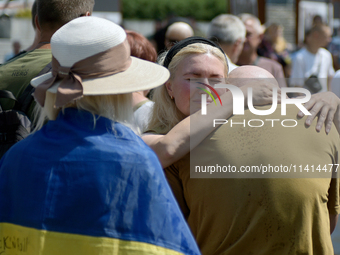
(24, 13)
(160, 9)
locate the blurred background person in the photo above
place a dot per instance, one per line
(158, 38)
(176, 33)
(229, 32)
(141, 48)
(16, 46)
(249, 56)
(313, 59)
(317, 20)
(275, 47)
(334, 49)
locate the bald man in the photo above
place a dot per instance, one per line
(177, 32)
(239, 196)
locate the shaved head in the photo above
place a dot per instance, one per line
(245, 75)
(177, 32)
(250, 72)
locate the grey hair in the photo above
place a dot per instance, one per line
(226, 28)
(257, 23)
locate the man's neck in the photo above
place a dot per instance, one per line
(247, 59)
(45, 38)
(228, 51)
(312, 48)
(43, 45)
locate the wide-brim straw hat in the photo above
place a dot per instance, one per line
(86, 38)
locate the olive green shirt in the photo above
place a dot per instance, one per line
(16, 74)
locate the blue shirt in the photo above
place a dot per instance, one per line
(99, 182)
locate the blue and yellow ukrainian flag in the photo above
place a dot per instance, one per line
(76, 217)
(107, 203)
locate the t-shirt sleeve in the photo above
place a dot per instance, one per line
(172, 175)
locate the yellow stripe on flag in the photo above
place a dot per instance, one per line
(16, 240)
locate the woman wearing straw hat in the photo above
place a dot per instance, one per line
(85, 183)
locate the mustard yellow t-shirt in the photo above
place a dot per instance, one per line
(260, 215)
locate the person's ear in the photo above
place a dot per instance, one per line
(237, 44)
(168, 86)
(86, 14)
(37, 23)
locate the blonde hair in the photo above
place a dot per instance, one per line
(280, 43)
(165, 114)
(114, 107)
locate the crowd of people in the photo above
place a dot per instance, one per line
(248, 42)
(124, 160)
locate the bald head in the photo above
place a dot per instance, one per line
(246, 75)
(177, 32)
(248, 71)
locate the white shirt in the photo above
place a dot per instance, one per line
(142, 115)
(306, 64)
(231, 65)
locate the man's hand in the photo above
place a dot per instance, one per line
(262, 91)
(326, 106)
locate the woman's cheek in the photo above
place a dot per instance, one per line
(185, 91)
(182, 96)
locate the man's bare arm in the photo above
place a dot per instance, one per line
(183, 137)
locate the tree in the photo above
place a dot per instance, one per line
(160, 9)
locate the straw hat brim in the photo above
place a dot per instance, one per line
(141, 75)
